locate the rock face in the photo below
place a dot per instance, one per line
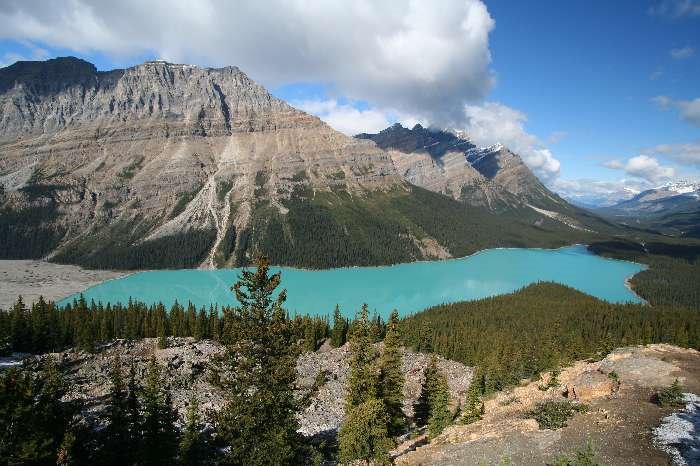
(449, 163)
(165, 165)
(187, 366)
(165, 148)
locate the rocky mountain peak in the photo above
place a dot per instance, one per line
(172, 147)
(46, 76)
(457, 167)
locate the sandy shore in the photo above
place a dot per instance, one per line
(31, 279)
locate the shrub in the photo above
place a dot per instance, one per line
(671, 396)
(555, 414)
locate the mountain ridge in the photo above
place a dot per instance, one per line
(166, 165)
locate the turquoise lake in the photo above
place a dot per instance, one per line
(406, 287)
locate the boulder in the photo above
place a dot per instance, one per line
(590, 385)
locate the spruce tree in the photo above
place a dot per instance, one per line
(200, 326)
(474, 409)
(20, 333)
(33, 419)
(340, 328)
(391, 380)
(257, 373)
(133, 413)
(439, 402)
(214, 331)
(192, 445)
(116, 442)
(425, 338)
(159, 437)
(363, 434)
(362, 382)
(422, 408)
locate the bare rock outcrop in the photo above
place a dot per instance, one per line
(188, 368)
(590, 385)
(620, 420)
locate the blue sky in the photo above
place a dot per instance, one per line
(596, 96)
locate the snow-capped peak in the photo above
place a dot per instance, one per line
(680, 187)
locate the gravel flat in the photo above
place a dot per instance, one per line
(31, 279)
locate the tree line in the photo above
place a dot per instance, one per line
(542, 327)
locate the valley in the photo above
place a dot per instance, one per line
(210, 275)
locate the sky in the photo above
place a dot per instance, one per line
(599, 98)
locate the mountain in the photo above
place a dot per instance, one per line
(595, 200)
(167, 165)
(495, 178)
(673, 208)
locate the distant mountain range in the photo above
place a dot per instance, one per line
(165, 165)
(673, 208)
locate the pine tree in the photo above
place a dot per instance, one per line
(362, 382)
(474, 409)
(159, 437)
(363, 434)
(258, 424)
(192, 445)
(391, 380)
(33, 419)
(422, 408)
(85, 338)
(133, 413)
(214, 331)
(20, 334)
(439, 401)
(117, 449)
(340, 329)
(425, 338)
(200, 326)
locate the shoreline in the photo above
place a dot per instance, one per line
(31, 278)
(85, 279)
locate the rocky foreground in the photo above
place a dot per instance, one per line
(188, 366)
(622, 424)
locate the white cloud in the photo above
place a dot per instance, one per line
(350, 120)
(689, 110)
(648, 168)
(599, 192)
(404, 55)
(682, 53)
(614, 164)
(676, 8)
(685, 154)
(493, 123)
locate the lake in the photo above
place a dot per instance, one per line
(407, 287)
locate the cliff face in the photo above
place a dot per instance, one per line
(449, 163)
(166, 148)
